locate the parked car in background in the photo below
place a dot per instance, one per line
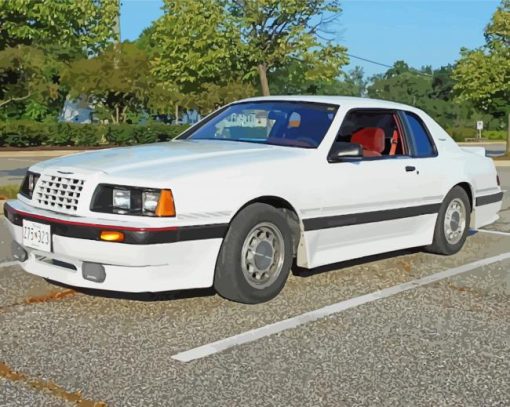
(237, 197)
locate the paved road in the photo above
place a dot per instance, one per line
(493, 149)
(13, 166)
(446, 343)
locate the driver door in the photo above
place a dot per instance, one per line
(374, 204)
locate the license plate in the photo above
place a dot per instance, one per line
(37, 235)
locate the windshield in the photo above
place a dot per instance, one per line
(293, 124)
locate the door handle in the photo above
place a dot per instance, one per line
(410, 168)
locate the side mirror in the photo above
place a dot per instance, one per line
(341, 150)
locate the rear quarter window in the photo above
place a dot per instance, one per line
(423, 145)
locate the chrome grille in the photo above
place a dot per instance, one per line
(57, 193)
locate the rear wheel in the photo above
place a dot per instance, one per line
(452, 223)
(256, 255)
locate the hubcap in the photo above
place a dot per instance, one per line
(455, 221)
(262, 255)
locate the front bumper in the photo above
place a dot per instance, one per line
(155, 259)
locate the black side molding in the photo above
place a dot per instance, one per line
(489, 199)
(369, 217)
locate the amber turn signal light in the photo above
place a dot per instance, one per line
(166, 206)
(111, 236)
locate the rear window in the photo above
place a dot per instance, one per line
(421, 140)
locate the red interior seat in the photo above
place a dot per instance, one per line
(371, 139)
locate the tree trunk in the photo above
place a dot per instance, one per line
(176, 113)
(264, 84)
(123, 114)
(117, 114)
(508, 136)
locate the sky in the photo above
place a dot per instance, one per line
(421, 32)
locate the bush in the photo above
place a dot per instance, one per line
(127, 134)
(25, 133)
(462, 133)
(495, 134)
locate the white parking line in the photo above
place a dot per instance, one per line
(495, 232)
(271, 329)
(8, 264)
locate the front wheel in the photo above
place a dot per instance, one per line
(256, 255)
(452, 223)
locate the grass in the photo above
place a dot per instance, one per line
(8, 191)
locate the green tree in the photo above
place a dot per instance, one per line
(233, 41)
(117, 81)
(401, 84)
(27, 73)
(483, 74)
(214, 95)
(291, 80)
(195, 42)
(428, 89)
(442, 83)
(275, 33)
(37, 37)
(79, 25)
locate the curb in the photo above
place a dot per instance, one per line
(480, 143)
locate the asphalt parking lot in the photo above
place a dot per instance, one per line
(423, 339)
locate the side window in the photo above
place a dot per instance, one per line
(422, 143)
(377, 131)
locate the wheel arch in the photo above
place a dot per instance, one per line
(466, 186)
(290, 211)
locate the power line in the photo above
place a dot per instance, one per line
(370, 61)
(386, 65)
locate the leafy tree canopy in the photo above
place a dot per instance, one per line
(197, 43)
(27, 73)
(81, 25)
(483, 75)
(277, 33)
(118, 80)
(202, 42)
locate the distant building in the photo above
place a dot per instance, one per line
(190, 117)
(77, 111)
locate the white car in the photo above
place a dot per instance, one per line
(253, 186)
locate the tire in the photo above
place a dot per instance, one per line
(456, 200)
(250, 278)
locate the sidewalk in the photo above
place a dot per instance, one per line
(37, 153)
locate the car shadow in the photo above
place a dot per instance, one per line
(210, 292)
(142, 297)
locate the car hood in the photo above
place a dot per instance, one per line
(159, 158)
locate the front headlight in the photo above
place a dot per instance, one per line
(150, 201)
(28, 184)
(121, 199)
(125, 200)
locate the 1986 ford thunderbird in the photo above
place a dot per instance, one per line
(236, 198)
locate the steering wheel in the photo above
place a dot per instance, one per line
(308, 140)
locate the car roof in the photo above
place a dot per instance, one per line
(344, 101)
